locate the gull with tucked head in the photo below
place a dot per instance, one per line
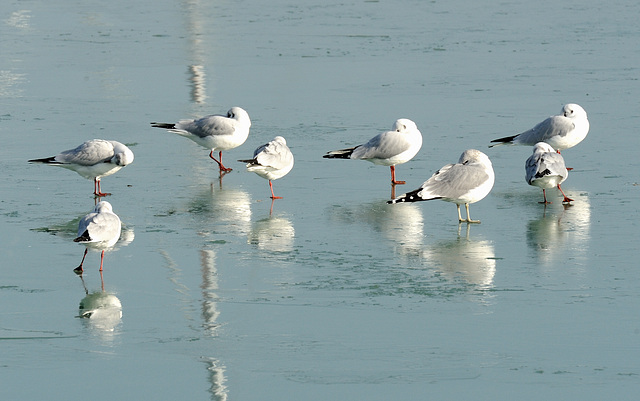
(99, 229)
(215, 132)
(466, 182)
(545, 168)
(93, 160)
(389, 148)
(271, 161)
(563, 131)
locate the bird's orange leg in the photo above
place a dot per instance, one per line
(78, 269)
(566, 199)
(101, 260)
(272, 195)
(544, 195)
(96, 188)
(393, 177)
(219, 161)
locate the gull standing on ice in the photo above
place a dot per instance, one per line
(563, 131)
(99, 229)
(271, 161)
(93, 160)
(545, 169)
(215, 132)
(389, 148)
(465, 182)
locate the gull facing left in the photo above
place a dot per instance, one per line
(389, 148)
(468, 181)
(545, 168)
(93, 160)
(215, 132)
(99, 229)
(271, 161)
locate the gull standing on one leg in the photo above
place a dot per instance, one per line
(389, 148)
(562, 131)
(271, 161)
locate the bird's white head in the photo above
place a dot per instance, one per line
(474, 156)
(572, 110)
(103, 206)
(239, 114)
(123, 156)
(404, 125)
(543, 147)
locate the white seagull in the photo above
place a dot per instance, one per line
(389, 148)
(93, 160)
(271, 161)
(465, 182)
(99, 229)
(545, 169)
(215, 132)
(563, 131)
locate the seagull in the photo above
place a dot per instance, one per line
(545, 169)
(389, 148)
(271, 161)
(563, 131)
(93, 160)
(465, 182)
(99, 229)
(215, 132)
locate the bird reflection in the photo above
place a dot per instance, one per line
(229, 208)
(218, 388)
(273, 233)
(210, 312)
(196, 68)
(559, 231)
(210, 315)
(402, 224)
(197, 77)
(101, 311)
(463, 258)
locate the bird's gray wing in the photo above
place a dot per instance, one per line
(552, 126)
(87, 154)
(103, 226)
(551, 164)
(531, 167)
(273, 154)
(206, 126)
(383, 146)
(453, 181)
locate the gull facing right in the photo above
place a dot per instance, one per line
(545, 168)
(468, 181)
(215, 132)
(389, 148)
(93, 160)
(563, 131)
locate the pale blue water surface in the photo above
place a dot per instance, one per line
(333, 295)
